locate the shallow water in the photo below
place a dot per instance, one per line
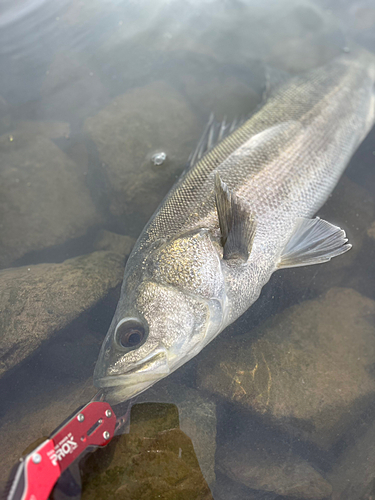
(90, 91)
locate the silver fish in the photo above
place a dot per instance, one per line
(242, 211)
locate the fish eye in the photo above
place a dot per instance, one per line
(130, 334)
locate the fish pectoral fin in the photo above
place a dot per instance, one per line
(237, 224)
(313, 241)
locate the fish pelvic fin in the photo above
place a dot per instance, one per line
(237, 223)
(313, 241)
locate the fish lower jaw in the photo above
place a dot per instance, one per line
(118, 394)
(128, 380)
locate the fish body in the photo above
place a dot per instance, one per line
(240, 213)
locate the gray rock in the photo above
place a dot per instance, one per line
(118, 243)
(309, 370)
(268, 466)
(43, 197)
(39, 300)
(197, 420)
(132, 128)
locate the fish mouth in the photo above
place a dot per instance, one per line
(118, 394)
(149, 370)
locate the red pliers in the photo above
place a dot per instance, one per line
(92, 425)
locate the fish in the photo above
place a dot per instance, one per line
(243, 209)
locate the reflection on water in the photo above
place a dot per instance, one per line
(281, 404)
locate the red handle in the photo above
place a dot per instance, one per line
(93, 425)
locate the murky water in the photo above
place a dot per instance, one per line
(92, 93)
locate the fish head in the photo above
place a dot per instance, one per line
(157, 327)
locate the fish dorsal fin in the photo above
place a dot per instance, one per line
(214, 132)
(313, 241)
(237, 224)
(274, 79)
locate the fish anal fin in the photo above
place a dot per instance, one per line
(313, 241)
(237, 224)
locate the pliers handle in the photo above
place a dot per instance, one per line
(37, 473)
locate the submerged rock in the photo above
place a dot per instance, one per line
(129, 131)
(43, 197)
(309, 370)
(197, 420)
(270, 466)
(155, 460)
(37, 301)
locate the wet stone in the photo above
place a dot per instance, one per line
(118, 243)
(197, 420)
(37, 301)
(270, 466)
(43, 197)
(129, 131)
(155, 460)
(309, 371)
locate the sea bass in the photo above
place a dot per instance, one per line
(242, 211)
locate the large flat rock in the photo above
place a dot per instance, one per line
(38, 301)
(309, 370)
